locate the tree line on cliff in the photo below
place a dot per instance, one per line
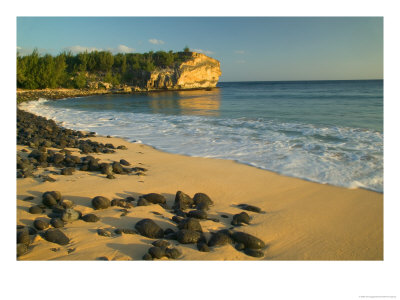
(66, 70)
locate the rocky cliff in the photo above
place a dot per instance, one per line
(197, 72)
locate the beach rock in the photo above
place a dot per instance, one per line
(100, 202)
(40, 224)
(36, 209)
(51, 198)
(124, 162)
(202, 247)
(22, 249)
(253, 252)
(58, 158)
(239, 246)
(177, 219)
(180, 213)
(220, 238)
(202, 198)
(238, 219)
(130, 199)
(70, 215)
(58, 209)
(57, 223)
(168, 231)
(106, 169)
(122, 147)
(173, 253)
(29, 198)
(203, 206)
(154, 198)
(149, 228)
(23, 237)
(190, 224)
(248, 240)
(182, 201)
(142, 202)
(125, 230)
(117, 168)
(161, 243)
(250, 208)
(110, 176)
(66, 203)
(197, 214)
(90, 218)
(67, 171)
(185, 236)
(55, 235)
(147, 256)
(157, 252)
(104, 232)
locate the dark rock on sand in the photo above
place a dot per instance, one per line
(197, 214)
(202, 247)
(157, 252)
(185, 236)
(253, 252)
(23, 237)
(117, 168)
(100, 202)
(239, 246)
(57, 223)
(51, 198)
(106, 169)
(220, 238)
(202, 198)
(55, 235)
(104, 232)
(203, 206)
(40, 224)
(248, 240)
(161, 243)
(241, 218)
(66, 203)
(177, 219)
(173, 253)
(250, 208)
(147, 256)
(22, 249)
(154, 198)
(149, 228)
(70, 215)
(190, 224)
(29, 198)
(180, 213)
(36, 209)
(142, 202)
(125, 230)
(124, 162)
(90, 218)
(67, 171)
(168, 231)
(110, 176)
(182, 201)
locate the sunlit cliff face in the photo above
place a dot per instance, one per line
(200, 71)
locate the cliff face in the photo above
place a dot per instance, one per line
(199, 71)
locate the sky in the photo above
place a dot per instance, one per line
(249, 48)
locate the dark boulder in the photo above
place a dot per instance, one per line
(55, 235)
(197, 214)
(36, 209)
(157, 252)
(253, 252)
(70, 215)
(142, 202)
(147, 256)
(90, 218)
(248, 240)
(161, 243)
(100, 202)
(23, 237)
(149, 228)
(51, 198)
(172, 253)
(124, 162)
(241, 218)
(57, 223)
(104, 232)
(202, 198)
(190, 224)
(202, 247)
(22, 249)
(250, 208)
(68, 171)
(220, 238)
(185, 236)
(117, 168)
(154, 198)
(40, 224)
(182, 201)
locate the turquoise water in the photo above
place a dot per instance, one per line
(324, 131)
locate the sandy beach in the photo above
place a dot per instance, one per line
(301, 221)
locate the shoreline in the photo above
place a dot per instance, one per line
(303, 220)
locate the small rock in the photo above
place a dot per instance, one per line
(238, 219)
(253, 252)
(51, 198)
(190, 224)
(154, 198)
(149, 228)
(220, 238)
(157, 252)
(202, 198)
(225, 216)
(185, 236)
(29, 198)
(239, 246)
(36, 209)
(70, 215)
(177, 219)
(142, 202)
(104, 232)
(117, 168)
(23, 237)
(103, 258)
(147, 256)
(161, 243)
(182, 201)
(180, 213)
(110, 176)
(57, 223)
(168, 231)
(250, 208)
(67, 171)
(90, 218)
(248, 240)
(173, 253)
(66, 203)
(124, 162)
(100, 202)
(40, 224)
(197, 214)
(55, 235)
(21, 249)
(202, 247)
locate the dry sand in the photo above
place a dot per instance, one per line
(303, 220)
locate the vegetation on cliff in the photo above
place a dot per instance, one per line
(83, 69)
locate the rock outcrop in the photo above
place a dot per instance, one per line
(198, 72)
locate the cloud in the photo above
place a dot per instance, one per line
(239, 51)
(156, 42)
(122, 49)
(203, 51)
(77, 49)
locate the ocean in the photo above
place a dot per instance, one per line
(324, 131)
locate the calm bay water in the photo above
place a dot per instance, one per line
(324, 131)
